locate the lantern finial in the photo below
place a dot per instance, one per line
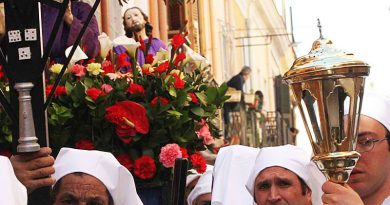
(319, 28)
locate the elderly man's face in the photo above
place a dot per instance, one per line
(81, 190)
(277, 185)
(134, 20)
(371, 173)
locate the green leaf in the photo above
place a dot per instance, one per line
(223, 89)
(172, 92)
(202, 97)
(88, 82)
(198, 111)
(211, 93)
(148, 152)
(174, 113)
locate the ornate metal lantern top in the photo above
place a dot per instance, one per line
(326, 83)
(325, 61)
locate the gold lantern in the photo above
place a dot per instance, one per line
(328, 86)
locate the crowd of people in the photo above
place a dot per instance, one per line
(241, 175)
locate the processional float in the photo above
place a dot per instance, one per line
(328, 87)
(23, 59)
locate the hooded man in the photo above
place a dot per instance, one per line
(201, 194)
(92, 177)
(285, 175)
(370, 179)
(231, 170)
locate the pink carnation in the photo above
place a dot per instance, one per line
(168, 155)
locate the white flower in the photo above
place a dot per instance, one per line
(130, 44)
(161, 55)
(105, 44)
(78, 55)
(192, 56)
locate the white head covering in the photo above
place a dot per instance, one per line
(231, 170)
(377, 106)
(202, 187)
(102, 165)
(12, 191)
(195, 175)
(293, 159)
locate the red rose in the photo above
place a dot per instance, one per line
(149, 59)
(136, 88)
(60, 90)
(94, 93)
(194, 99)
(5, 152)
(144, 167)
(163, 67)
(129, 118)
(179, 83)
(177, 41)
(1, 72)
(125, 160)
(108, 67)
(163, 101)
(179, 58)
(85, 144)
(198, 162)
(184, 153)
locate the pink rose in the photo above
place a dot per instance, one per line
(106, 88)
(168, 155)
(204, 133)
(78, 70)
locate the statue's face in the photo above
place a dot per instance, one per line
(277, 185)
(134, 20)
(81, 189)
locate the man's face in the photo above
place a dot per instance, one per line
(134, 20)
(277, 185)
(81, 190)
(372, 170)
(246, 77)
(204, 199)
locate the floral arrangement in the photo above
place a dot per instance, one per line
(146, 116)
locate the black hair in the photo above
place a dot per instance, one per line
(54, 191)
(260, 94)
(148, 26)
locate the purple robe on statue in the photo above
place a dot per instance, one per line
(66, 35)
(154, 48)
